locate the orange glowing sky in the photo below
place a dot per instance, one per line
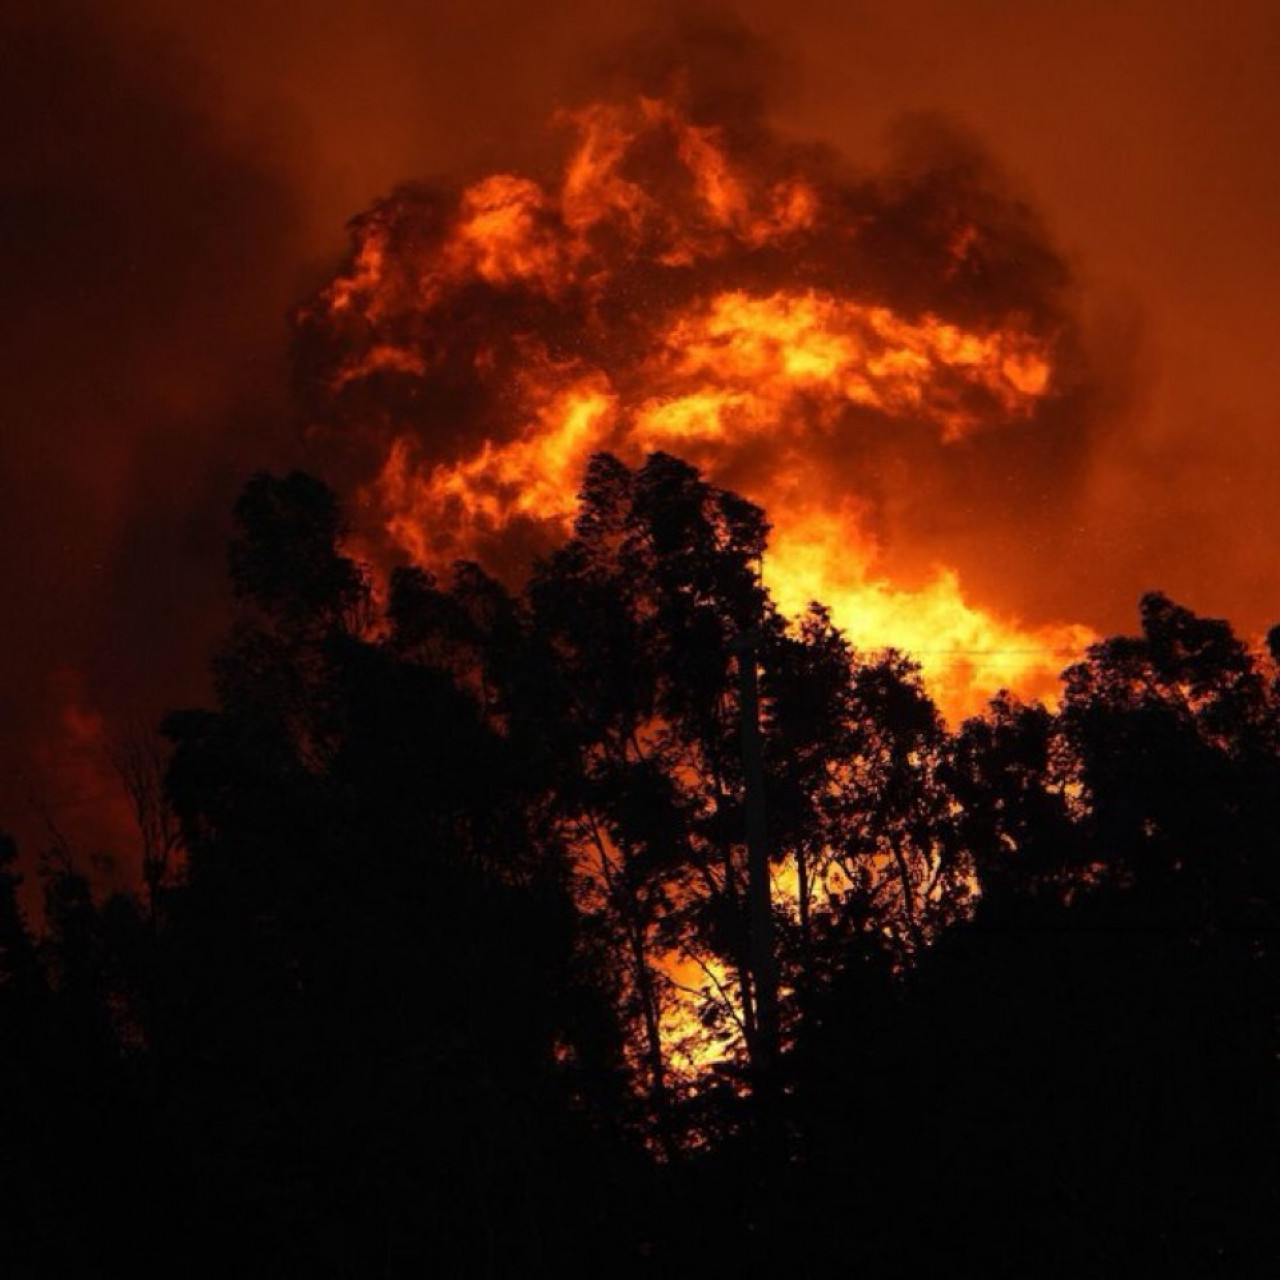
(176, 177)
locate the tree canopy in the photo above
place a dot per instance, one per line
(619, 922)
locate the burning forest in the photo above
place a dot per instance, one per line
(663, 801)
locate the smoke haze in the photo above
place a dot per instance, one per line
(173, 181)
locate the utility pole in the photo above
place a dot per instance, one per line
(759, 895)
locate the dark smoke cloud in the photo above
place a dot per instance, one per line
(1150, 135)
(145, 269)
(724, 69)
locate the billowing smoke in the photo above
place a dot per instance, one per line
(145, 275)
(886, 361)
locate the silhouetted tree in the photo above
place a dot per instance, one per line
(140, 761)
(379, 946)
(411, 1003)
(1011, 774)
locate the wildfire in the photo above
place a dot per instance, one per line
(818, 344)
(674, 290)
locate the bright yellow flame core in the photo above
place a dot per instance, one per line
(785, 344)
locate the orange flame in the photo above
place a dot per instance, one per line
(621, 327)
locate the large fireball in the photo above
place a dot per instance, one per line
(837, 349)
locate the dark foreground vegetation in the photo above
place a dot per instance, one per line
(398, 994)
